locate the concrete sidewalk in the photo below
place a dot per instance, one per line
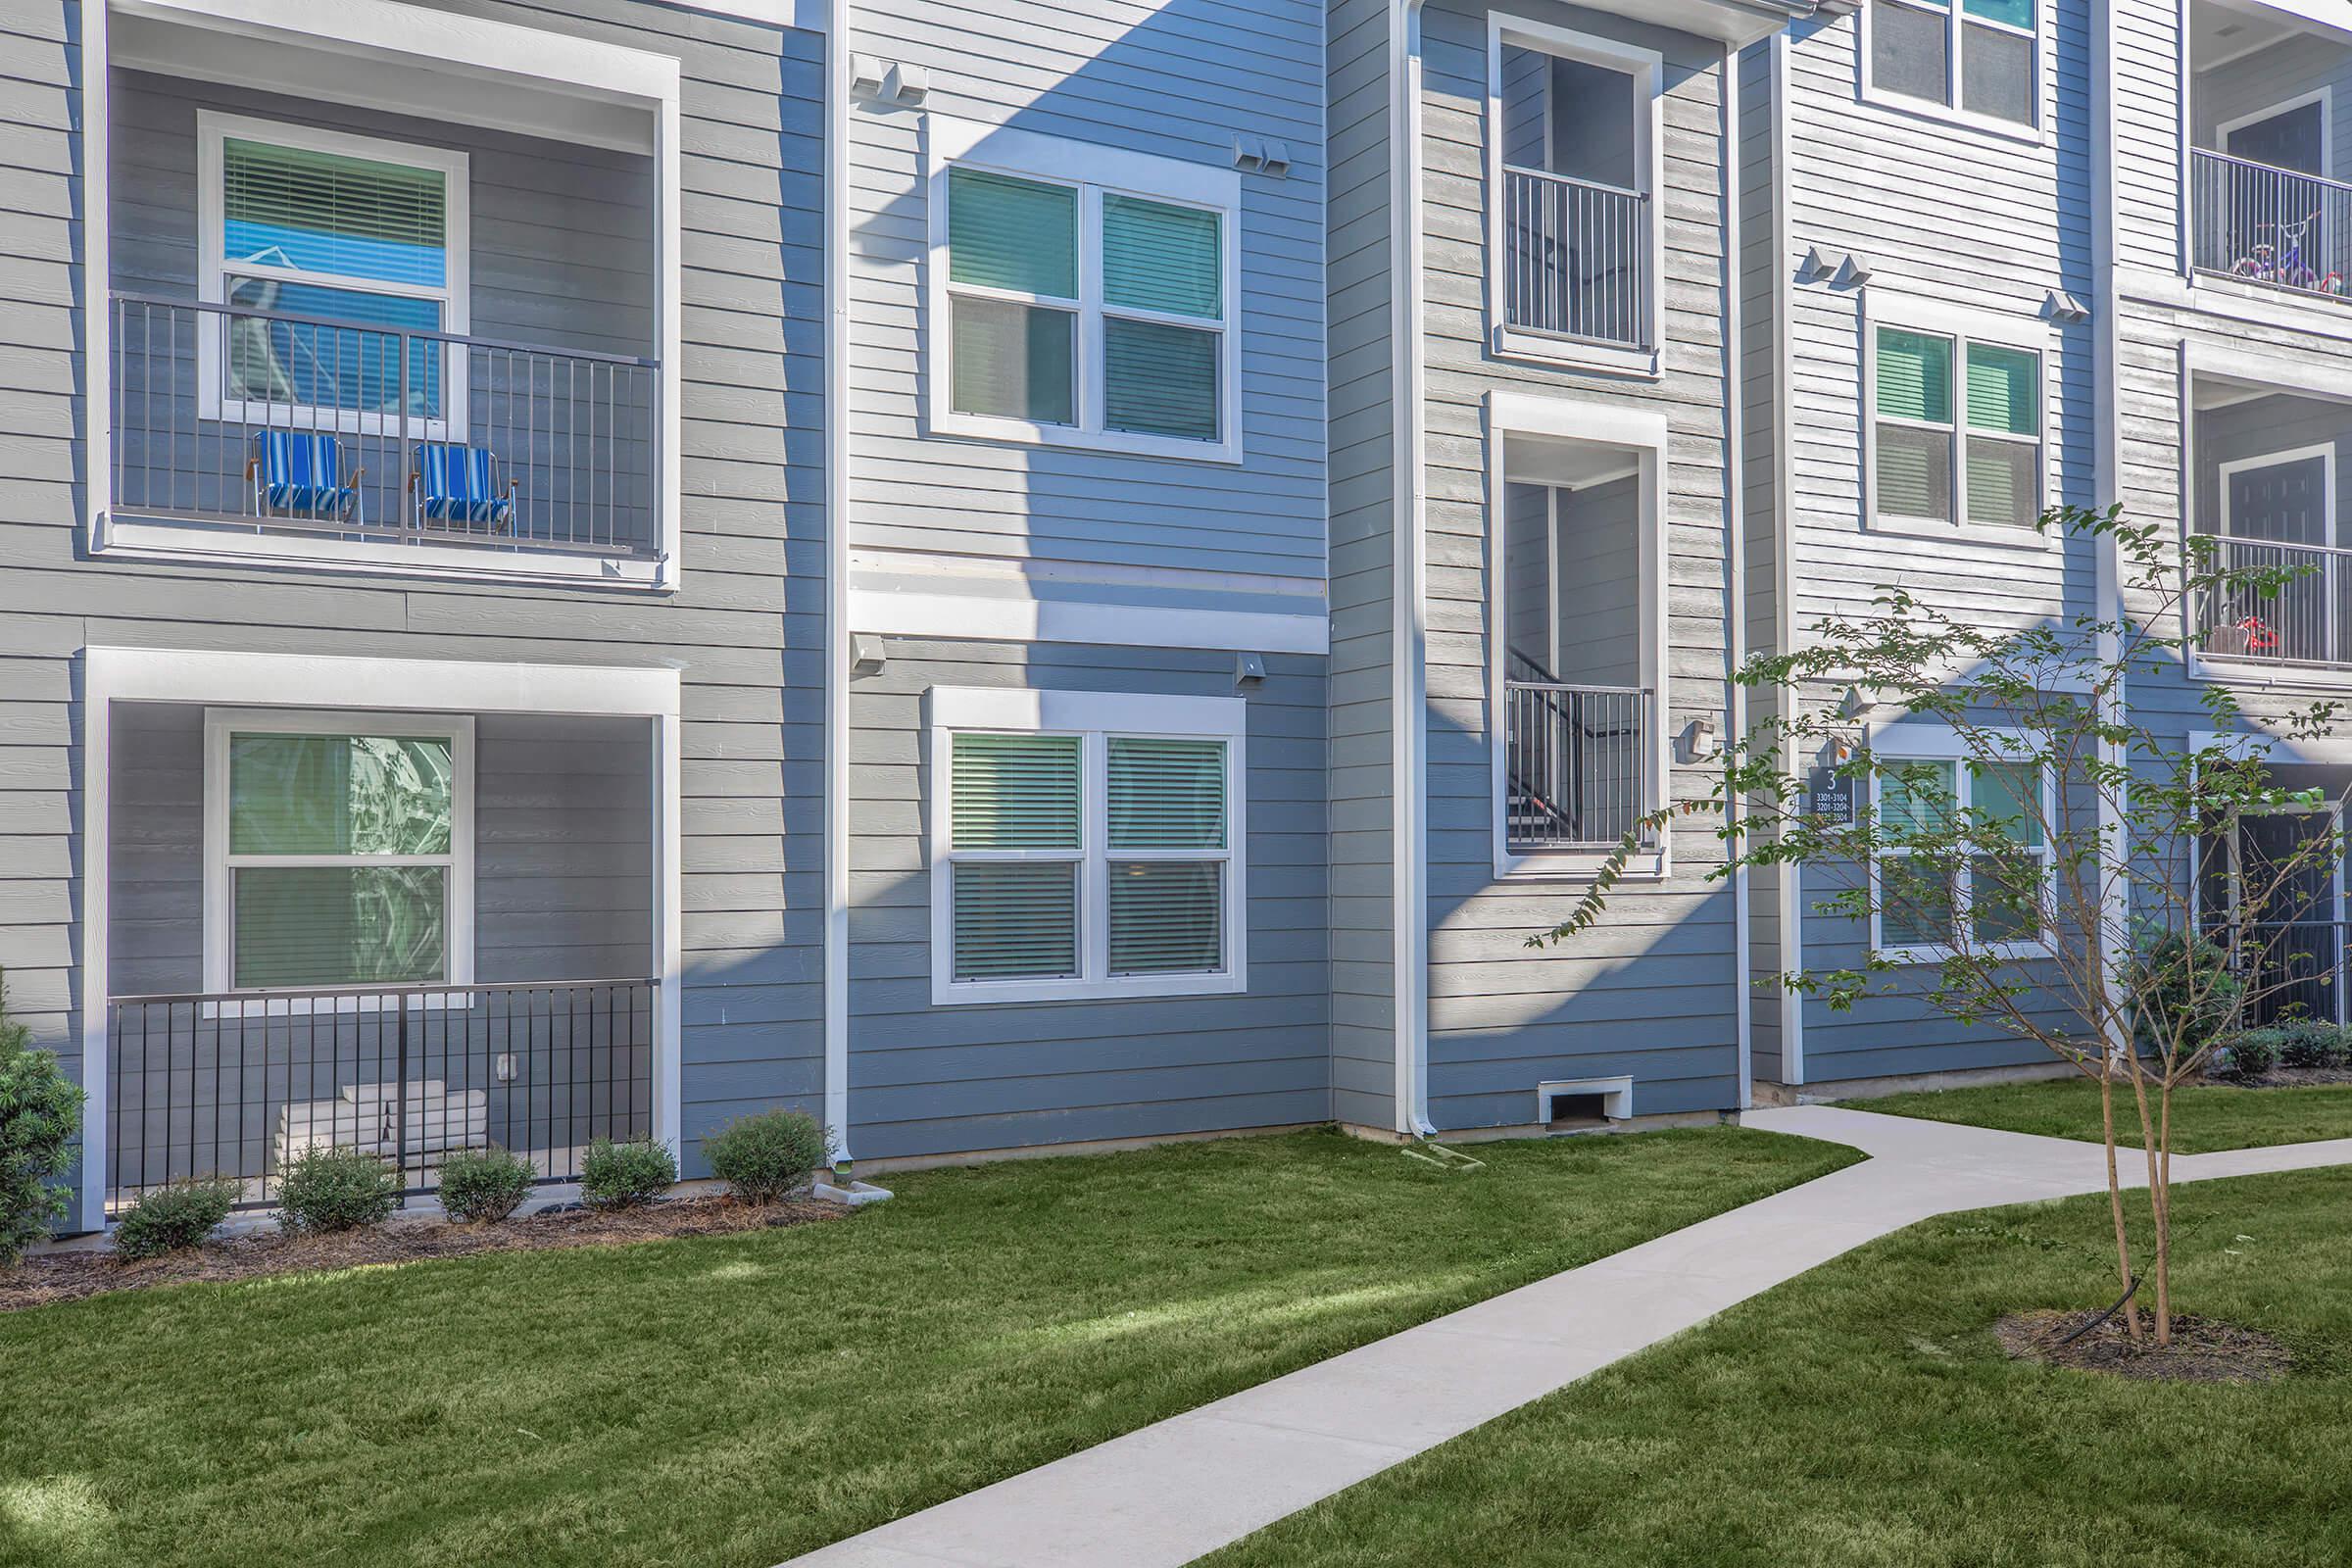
(1178, 1490)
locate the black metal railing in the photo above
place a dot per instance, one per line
(2306, 620)
(2267, 224)
(1575, 259)
(1577, 762)
(572, 438)
(233, 1084)
(2294, 970)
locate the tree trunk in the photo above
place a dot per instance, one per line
(2147, 1144)
(2114, 1194)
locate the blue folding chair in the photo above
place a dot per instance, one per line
(455, 485)
(302, 473)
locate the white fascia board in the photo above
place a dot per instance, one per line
(1044, 621)
(452, 44)
(306, 680)
(1594, 423)
(1016, 707)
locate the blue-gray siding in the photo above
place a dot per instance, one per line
(928, 1080)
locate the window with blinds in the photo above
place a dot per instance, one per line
(1957, 430)
(1077, 308)
(1962, 852)
(340, 230)
(339, 858)
(1102, 860)
(1979, 57)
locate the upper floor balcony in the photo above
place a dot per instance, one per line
(355, 320)
(2264, 490)
(2265, 203)
(1574, 169)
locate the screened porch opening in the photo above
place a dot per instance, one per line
(2267, 499)
(2271, 889)
(351, 313)
(410, 934)
(1579, 720)
(2267, 200)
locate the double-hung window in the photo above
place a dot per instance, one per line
(338, 851)
(1997, 892)
(1957, 430)
(1083, 845)
(1085, 297)
(1979, 57)
(339, 266)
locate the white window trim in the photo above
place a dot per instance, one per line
(2325, 97)
(1642, 434)
(1963, 327)
(220, 908)
(1096, 717)
(1920, 743)
(2226, 529)
(380, 42)
(1648, 68)
(1095, 172)
(2037, 134)
(214, 130)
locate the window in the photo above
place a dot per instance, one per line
(1085, 844)
(1087, 297)
(1957, 430)
(335, 229)
(1980, 57)
(2003, 893)
(1573, 223)
(338, 852)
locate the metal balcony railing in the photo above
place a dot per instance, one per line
(2270, 226)
(570, 438)
(233, 1084)
(1575, 259)
(2308, 620)
(1577, 763)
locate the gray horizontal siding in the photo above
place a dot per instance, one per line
(1655, 993)
(928, 1080)
(745, 627)
(1177, 81)
(1361, 779)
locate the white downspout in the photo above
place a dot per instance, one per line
(837, 578)
(1408, 706)
(2109, 482)
(1734, 513)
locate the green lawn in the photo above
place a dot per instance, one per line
(1860, 1417)
(2205, 1119)
(737, 1400)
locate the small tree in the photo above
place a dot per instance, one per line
(40, 1111)
(2065, 871)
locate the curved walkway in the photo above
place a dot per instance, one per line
(1175, 1491)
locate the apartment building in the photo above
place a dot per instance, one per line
(1018, 575)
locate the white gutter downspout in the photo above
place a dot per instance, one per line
(1735, 608)
(2108, 486)
(837, 579)
(1408, 706)
(1790, 954)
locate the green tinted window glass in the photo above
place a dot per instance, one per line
(1166, 917)
(340, 925)
(339, 795)
(1157, 256)
(1017, 235)
(1167, 793)
(1016, 792)
(1015, 919)
(2004, 390)
(1915, 376)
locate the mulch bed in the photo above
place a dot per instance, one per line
(70, 1276)
(2202, 1350)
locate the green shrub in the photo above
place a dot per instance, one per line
(335, 1190)
(763, 1157)
(169, 1218)
(619, 1175)
(2186, 996)
(2310, 1045)
(40, 1111)
(2249, 1053)
(481, 1186)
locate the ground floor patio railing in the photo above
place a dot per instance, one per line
(235, 1084)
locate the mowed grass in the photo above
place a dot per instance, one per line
(2206, 1118)
(1862, 1417)
(737, 1400)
